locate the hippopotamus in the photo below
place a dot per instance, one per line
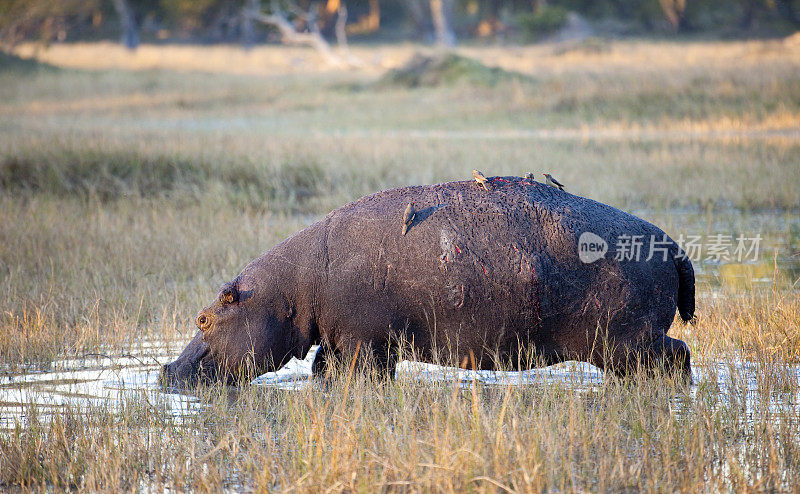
(515, 275)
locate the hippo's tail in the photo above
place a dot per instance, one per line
(685, 285)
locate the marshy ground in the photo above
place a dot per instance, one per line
(133, 185)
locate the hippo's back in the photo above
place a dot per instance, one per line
(497, 270)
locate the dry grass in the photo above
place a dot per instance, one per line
(356, 435)
(78, 274)
(756, 326)
(130, 191)
(640, 125)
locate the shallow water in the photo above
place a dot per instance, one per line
(107, 381)
(97, 381)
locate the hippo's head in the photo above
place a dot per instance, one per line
(246, 331)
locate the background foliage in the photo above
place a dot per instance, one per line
(223, 20)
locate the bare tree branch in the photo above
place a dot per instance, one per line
(313, 37)
(675, 11)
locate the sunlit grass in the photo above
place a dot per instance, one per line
(642, 124)
(358, 434)
(132, 186)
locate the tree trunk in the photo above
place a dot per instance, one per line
(418, 16)
(341, 23)
(787, 11)
(127, 22)
(748, 13)
(341, 37)
(248, 29)
(675, 10)
(441, 13)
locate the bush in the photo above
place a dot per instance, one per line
(446, 69)
(10, 63)
(546, 20)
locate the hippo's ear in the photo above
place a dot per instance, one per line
(229, 294)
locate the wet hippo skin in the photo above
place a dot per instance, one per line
(492, 278)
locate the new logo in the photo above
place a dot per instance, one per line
(591, 247)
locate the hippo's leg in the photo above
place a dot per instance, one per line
(325, 361)
(672, 355)
(381, 357)
(387, 359)
(665, 353)
(384, 359)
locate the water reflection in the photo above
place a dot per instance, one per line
(777, 259)
(89, 381)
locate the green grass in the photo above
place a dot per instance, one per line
(113, 175)
(10, 63)
(128, 196)
(447, 69)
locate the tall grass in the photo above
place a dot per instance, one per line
(757, 325)
(315, 174)
(128, 196)
(651, 124)
(113, 175)
(361, 434)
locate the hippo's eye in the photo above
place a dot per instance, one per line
(229, 295)
(202, 321)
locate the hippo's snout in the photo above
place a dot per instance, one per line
(191, 366)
